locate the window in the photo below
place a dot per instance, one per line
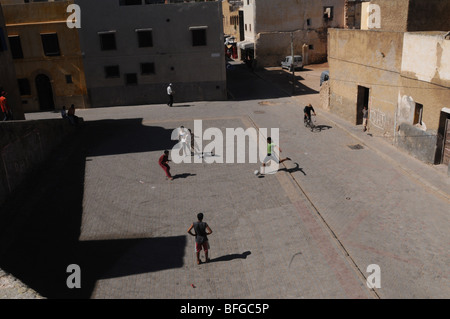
(108, 40)
(112, 71)
(147, 68)
(154, 1)
(24, 86)
(129, 2)
(131, 79)
(16, 47)
(308, 22)
(69, 79)
(198, 36)
(3, 46)
(418, 112)
(50, 44)
(145, 38)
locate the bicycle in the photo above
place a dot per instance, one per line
(309, 123)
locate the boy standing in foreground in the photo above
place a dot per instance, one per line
(201, 230)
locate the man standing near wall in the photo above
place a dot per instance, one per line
(170, 94)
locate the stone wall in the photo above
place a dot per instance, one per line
(374, 63)
(417, 142)
(24, 145)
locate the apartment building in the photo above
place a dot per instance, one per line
(132, 50)
(8, 80)
(271, 26)
(398, 66)
(46, 54)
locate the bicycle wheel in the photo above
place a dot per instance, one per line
(312, 125)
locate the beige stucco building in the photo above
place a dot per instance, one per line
(138, 47)
(8, 81)
(233, 19)
(401, 73)
(46, 55)
(272, 25)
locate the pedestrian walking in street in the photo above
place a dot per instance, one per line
(365, 113)
(164, 163)
(170, 93)
(6, 110)
(201, 232)
(271, 155)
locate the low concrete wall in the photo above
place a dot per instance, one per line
(421, 144)
(24, 145)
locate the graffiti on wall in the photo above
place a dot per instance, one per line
(377, 118)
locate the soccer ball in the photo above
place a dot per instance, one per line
(256, 172)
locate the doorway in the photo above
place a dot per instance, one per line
(241, 26)
(45, 92)
(361, 102)
(444, 139)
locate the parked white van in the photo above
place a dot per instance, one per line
(287, 62)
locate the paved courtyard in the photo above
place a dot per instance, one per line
(309, 231)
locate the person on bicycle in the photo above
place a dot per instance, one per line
(307, 111)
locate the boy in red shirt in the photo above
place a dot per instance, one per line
(163, 162)
(5, 107)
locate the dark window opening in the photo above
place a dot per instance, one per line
(112, 71)
(145, 38)
(198, 37)
(16, 47)
(108, 41)
(3, 46)
(131, 79)
(24, 86)
(50, 44)
(69, 79)
(147, 68)
(154, 1)
(129, 2)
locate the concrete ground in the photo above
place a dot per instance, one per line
(309, 231)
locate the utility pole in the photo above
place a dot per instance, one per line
(292, 63)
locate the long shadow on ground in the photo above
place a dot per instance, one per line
(41, 221)
(244, 84)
